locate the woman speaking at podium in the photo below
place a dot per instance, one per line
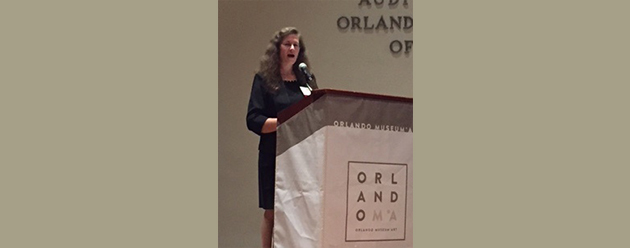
(281, 80)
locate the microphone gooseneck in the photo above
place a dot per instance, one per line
(309, 76)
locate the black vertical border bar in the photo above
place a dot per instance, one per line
(348, 198)
(406, 200)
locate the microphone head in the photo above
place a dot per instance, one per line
(302, 66)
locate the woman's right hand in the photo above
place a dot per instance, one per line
(270, 125)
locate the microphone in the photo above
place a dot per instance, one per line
(304, 70)
(309, 76)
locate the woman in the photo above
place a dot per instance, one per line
(276, 86)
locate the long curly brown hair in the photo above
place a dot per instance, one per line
(270, 62)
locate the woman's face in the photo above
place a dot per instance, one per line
(289, 49)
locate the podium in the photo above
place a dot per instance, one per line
(344, 168)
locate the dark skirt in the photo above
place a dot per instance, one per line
(266, 180)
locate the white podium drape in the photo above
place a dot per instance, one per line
(344, 174)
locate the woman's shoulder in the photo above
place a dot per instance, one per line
(258, 79)
(260, 83)
(258, 76)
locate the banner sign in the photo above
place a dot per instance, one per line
(344, 169)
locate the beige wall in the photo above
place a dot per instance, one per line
(342, 59)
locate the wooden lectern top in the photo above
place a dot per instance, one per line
(318, 93)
